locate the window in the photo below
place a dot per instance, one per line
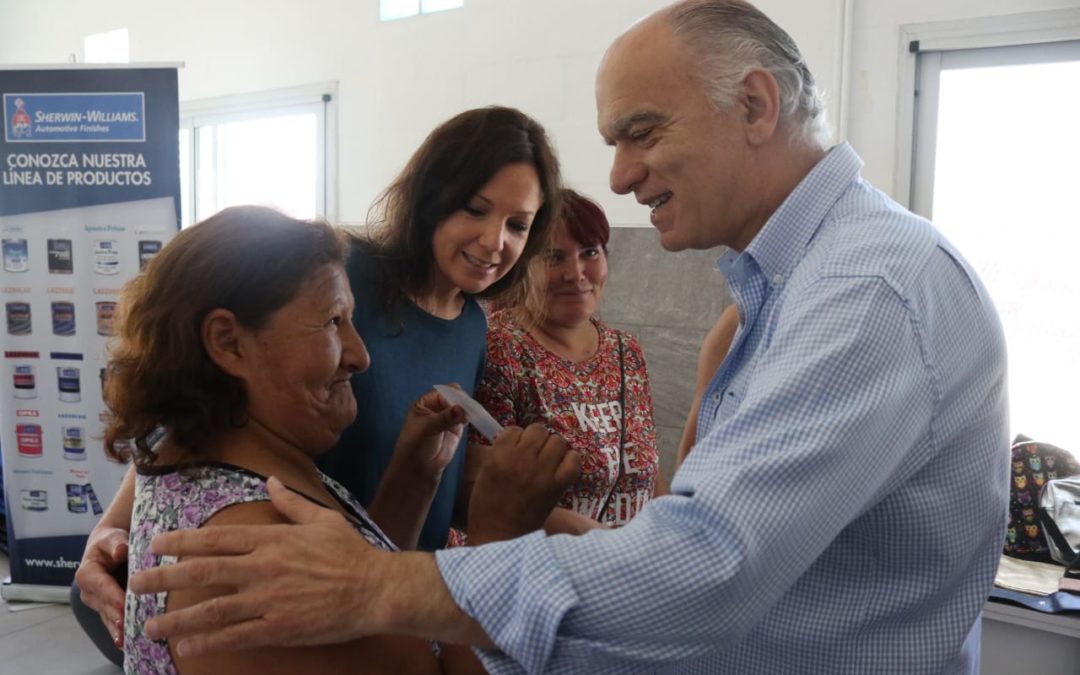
(270, 149)
(399, 9)
(108, 47)
(995, 166)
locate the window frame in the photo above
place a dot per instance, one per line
(918, 39)
(420, 11)
(928, 78)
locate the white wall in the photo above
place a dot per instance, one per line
(397, 80)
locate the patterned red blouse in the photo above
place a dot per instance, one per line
(524, 382)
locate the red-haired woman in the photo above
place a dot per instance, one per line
(549, 360)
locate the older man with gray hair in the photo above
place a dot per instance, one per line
(844, 505)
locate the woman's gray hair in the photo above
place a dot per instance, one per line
(732, 38)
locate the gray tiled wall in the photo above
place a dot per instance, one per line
(668, 301)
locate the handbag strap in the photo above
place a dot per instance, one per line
(622, 430)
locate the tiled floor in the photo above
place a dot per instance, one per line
(46, 641)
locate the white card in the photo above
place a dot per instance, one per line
(481, 419)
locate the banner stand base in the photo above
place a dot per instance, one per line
(34, 592)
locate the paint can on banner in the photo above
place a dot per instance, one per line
(25, 383)
(18, 318)
(67, 379)
(95, 505)
(147, 250)
(35, 500)
(76, 498)
(105, 311)
(61, 256)
(74, 443)
(28, 439)
(63, 318)
(16, 256)
(106, 256)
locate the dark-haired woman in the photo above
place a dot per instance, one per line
(549, 360)
(461, 221)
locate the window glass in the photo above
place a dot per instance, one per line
(398, 9)
(270, 161)
(427, 6)
(1005, 180)
(268, 148)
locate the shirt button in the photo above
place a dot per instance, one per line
(777, 279)
(716, 397)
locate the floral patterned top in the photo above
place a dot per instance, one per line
(524, 382)
(177, 498)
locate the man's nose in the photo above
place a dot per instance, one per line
(626, 172)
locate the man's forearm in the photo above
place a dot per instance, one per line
(418, 602)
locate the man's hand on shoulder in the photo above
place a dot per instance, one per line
(311, 582)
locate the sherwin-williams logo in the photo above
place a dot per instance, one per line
(20, 120)
(98, 117)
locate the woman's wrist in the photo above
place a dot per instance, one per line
(416, 471)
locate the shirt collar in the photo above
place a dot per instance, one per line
(780, 244)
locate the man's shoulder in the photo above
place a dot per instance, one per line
(869, 234)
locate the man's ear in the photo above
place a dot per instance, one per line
(223, 338)
(761, 106)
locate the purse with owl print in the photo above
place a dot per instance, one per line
(1033, 465)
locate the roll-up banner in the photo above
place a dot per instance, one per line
(89, 192)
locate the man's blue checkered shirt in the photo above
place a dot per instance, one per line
(844, 506)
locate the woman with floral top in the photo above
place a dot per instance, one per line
(549, 360)
(237, 344)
